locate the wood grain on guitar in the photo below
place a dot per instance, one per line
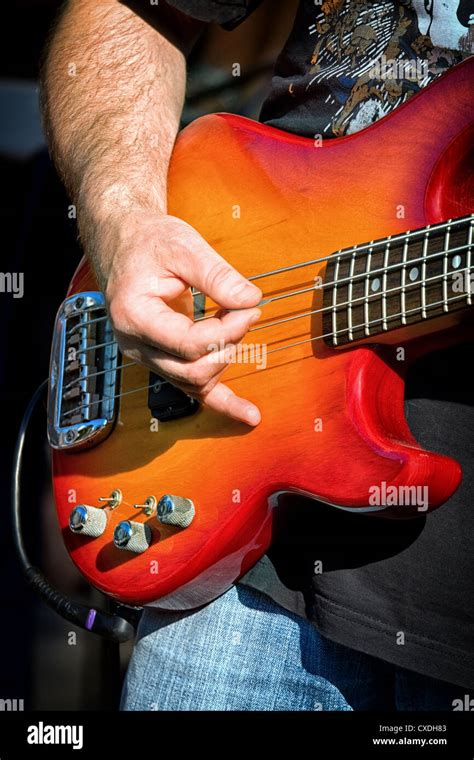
(333, 423)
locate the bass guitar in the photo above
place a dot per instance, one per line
(362, 247)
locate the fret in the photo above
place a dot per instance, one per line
(384, 284)
(404, 279)
(375, 289)
(397, 281)
(413, 290)
(349, 294)
(356, 295)
(380, 268)
(434, 281)
(423, 272)
(416, 310)
(341, 301)
(334, 298)
(468, 261)
(447, 235)
(399, 238)
(366, 291)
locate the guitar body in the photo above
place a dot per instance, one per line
(333, 423)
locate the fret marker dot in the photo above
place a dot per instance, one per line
(456, 262)
(375, 284)
(413, 274)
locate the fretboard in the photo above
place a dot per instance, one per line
(396, 281)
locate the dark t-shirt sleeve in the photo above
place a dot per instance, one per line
(227, 14)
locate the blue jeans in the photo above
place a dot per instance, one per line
(245, 652)
(241, 652)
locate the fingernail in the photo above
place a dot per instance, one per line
(255, 318)
(252, 415)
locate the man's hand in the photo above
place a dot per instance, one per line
(154, 261)
(112, 93)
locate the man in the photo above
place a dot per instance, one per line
(390, 621)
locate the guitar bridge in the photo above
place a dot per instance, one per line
(83, 373)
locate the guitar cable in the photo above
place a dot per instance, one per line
(110, 626)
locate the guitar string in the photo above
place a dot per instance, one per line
(89, 321)
(97, 374)
(346, 252)
(281, 348)
(339, 255)
(363, 298)
(367, 324)
(350, 280)
(335, 284)
(353, 301)
(383, 242)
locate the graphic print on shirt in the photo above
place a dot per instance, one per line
(372, 56)
(445, 28)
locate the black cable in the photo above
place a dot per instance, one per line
(104, 624)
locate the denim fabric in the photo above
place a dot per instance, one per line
(245, 652)
(241, 652)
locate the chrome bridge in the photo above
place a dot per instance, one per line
(84, 373)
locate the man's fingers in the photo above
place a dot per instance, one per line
(196, 262)
(196, 375)
(157, 324)
(199, 379)
(189, 376)
(225, 401)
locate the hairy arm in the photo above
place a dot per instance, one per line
(112, 91)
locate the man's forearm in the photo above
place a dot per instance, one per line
(112, 91)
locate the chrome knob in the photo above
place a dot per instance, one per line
(132, 536)
(175, 510)
(87, 521)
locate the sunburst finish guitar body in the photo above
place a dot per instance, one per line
(325, 364)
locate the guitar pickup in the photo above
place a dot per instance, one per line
(166, 402)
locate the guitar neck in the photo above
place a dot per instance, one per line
(398, 281)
